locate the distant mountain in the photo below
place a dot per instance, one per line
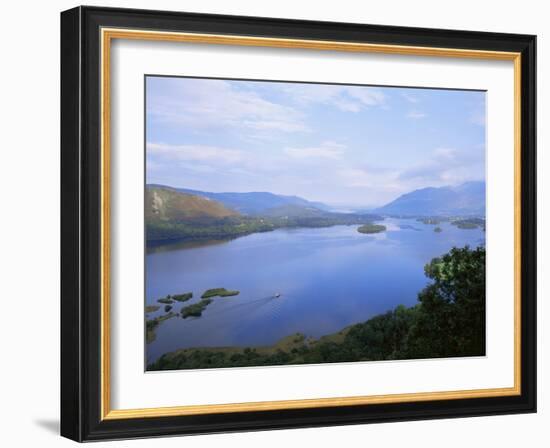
(253, 203)
(165, 204)
(296, 211)
(465, 199)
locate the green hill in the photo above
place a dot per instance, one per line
(252, 203)
(162, 204)
(173, 215)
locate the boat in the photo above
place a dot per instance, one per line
(277, 295)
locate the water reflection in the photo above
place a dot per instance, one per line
(162, 246)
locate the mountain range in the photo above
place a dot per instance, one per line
(467, 199)
(176, 213)
(252, 203)
(463, 200)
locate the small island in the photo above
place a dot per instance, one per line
(438, 229)
(196, 309)
(469, 223)
(193, 310)
(151, 308)
(371, 228)
(221, 292)
(182, 297)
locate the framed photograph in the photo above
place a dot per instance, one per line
(273, 223)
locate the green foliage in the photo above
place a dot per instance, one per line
(151, 308)
(205, 229)
(448, 321)
(469, 223)
(166, 300)
(371, 228)
(196, 309)
(229, 293)
(182, 297)
(452, 321)
(222, 292)
(235, 226)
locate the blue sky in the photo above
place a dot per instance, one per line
(342, 145)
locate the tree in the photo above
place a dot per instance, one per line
(451, 319)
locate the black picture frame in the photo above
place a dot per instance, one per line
(81, 224)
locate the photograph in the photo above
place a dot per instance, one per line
(293, 223)
(284, 221)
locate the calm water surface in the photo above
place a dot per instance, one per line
(328, 278)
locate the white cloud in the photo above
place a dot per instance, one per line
(445, 153)
(368, 96)
(275, 125)
(478, 118)
(380, 184)
(327, 150)
(447, 166)
(369, 177)
(211, 159)
(347, 106)
(345, 98)
(410, 98)
(205, 104)
(232, 135)
(416, 115)
(202, 169)
(195, 153)
(354, 177)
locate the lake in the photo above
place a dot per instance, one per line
(327, 278)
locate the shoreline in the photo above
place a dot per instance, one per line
(151, 244)
(288, 342)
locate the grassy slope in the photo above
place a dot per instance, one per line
(165, 205)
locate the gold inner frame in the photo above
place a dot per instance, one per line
(107, 35)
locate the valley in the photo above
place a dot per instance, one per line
(173, 214)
